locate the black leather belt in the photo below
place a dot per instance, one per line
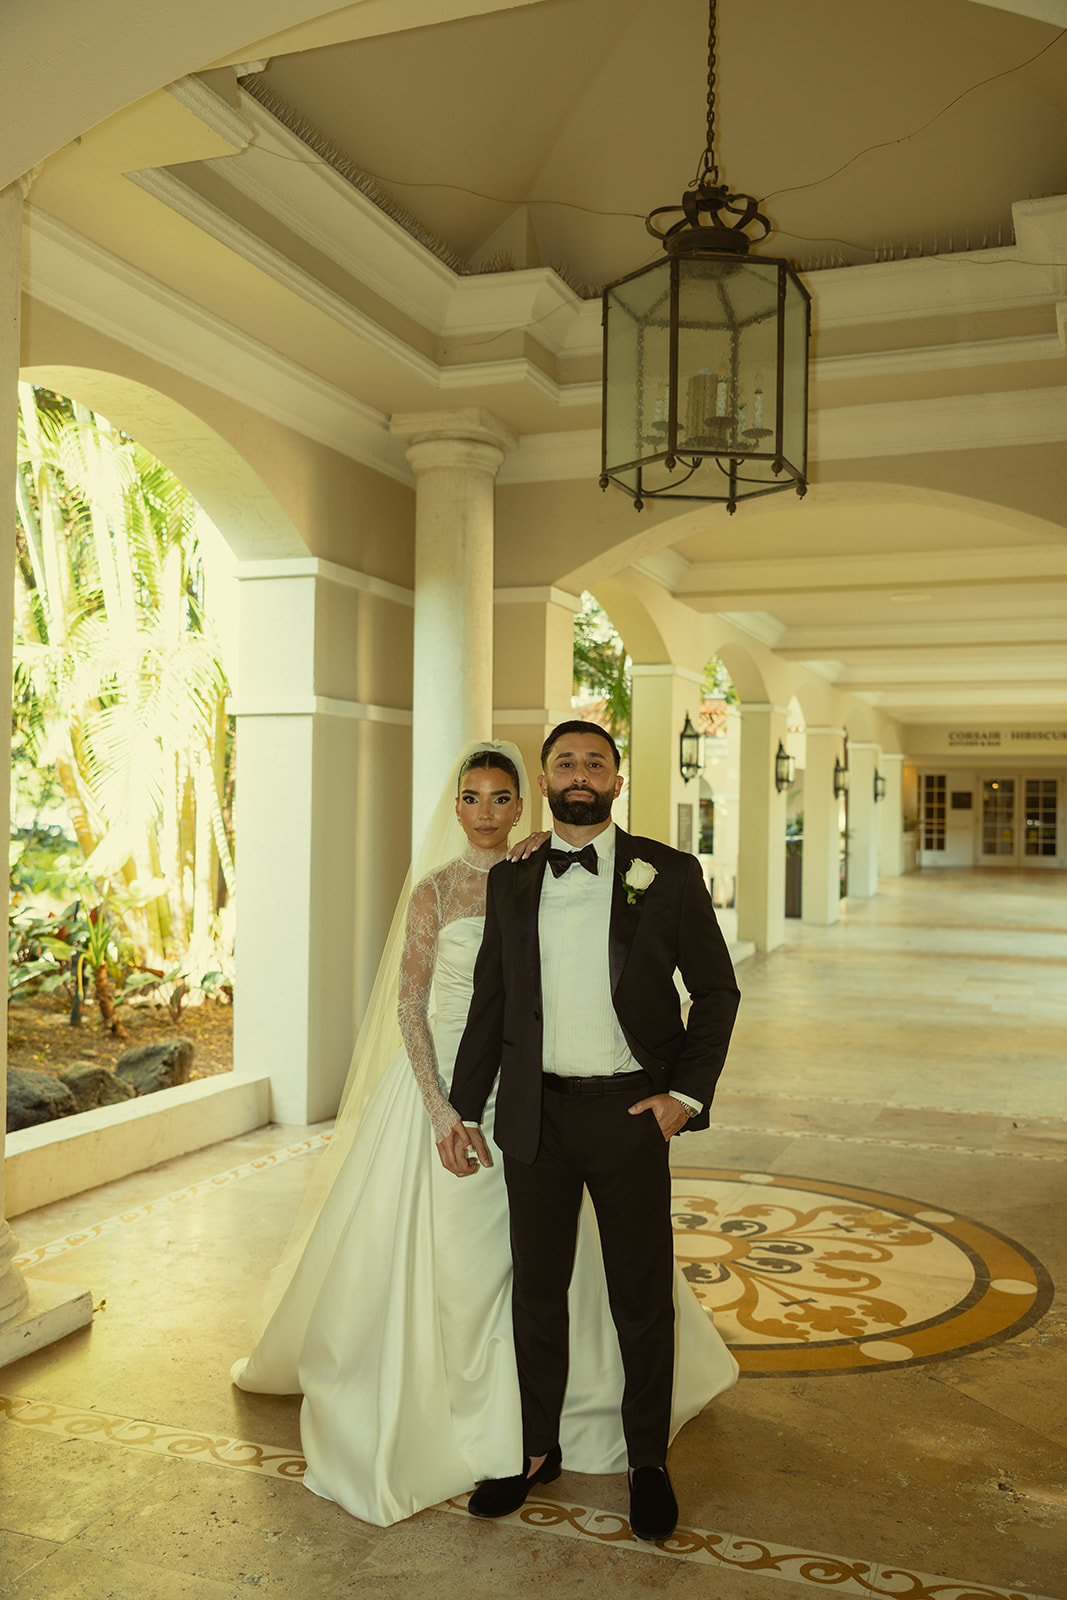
(613, 1083)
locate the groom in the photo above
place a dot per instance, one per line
(575, 1003)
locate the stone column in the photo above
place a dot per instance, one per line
(455, 457)
(862, 821)
(821, 890)
(891, 817)
(662, 695)
(533, 674)
(32, 1313)
(761, 851)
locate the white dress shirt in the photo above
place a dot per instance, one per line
(582, 1035)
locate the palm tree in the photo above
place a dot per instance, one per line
(118, 679)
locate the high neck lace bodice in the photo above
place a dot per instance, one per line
(482, 860)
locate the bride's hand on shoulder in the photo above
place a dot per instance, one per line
(526, 847)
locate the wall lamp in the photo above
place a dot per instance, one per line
(690, 751)
(840, 779)
(784, 766)
(879, 786)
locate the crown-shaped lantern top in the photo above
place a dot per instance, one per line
(704, 224)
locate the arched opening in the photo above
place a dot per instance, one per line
(123, 878)
(603, 686)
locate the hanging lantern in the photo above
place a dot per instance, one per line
(706, 355)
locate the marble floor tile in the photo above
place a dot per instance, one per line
(80, 1575)
(234, 1529)
(52, 1489)
(20, 1553)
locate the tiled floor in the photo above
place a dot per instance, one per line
(876, 1216)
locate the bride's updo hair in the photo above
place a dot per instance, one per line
(490, 759)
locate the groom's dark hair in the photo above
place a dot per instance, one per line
(577, 725)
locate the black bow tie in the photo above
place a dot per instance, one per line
(560, 860)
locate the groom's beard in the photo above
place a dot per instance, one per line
(580, 813)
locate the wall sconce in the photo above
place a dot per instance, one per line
(879, 786)
(784, 766)
(840, 779)
(690, 751)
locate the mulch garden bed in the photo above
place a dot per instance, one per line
(39, 1035)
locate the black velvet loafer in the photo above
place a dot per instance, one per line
(499, 1497)
(653, 1508)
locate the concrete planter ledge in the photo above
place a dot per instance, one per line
(65, 1157)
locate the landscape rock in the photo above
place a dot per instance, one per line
(157, 1066)
(93, 1085)
(34, 1097)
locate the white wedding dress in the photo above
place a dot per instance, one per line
(396, 1326)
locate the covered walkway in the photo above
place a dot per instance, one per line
(875, 1217)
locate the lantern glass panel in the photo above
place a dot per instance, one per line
(727, 357)
(637, 367)
(794, 447)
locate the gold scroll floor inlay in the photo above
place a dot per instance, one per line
(731, 1552)
(153, 1438)
(808, 1276)
(724, 1551)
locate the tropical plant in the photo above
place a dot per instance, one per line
(718, 684)
(118, 678)
(83, 951)
(602, 668)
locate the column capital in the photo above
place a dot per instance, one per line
(824, 732)
(471, 425)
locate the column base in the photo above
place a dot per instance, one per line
(52, 1311)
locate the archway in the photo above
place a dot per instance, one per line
(125, 891)
(239, 502)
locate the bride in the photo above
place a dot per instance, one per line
(406, 1362)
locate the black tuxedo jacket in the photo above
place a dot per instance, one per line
(671, 926)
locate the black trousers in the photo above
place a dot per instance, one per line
(593, 1142)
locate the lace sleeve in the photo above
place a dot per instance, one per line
(416, 979)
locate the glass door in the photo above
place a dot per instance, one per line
(998, 844)
(1021, 824)
(1041, 842)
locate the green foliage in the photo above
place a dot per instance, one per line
(119, 687)
(66, 950)
(602, 667)
(718, 685)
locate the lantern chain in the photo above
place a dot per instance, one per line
(708, 173)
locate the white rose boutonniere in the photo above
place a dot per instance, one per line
(637, 880)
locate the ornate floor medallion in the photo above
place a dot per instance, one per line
(808, 1276)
